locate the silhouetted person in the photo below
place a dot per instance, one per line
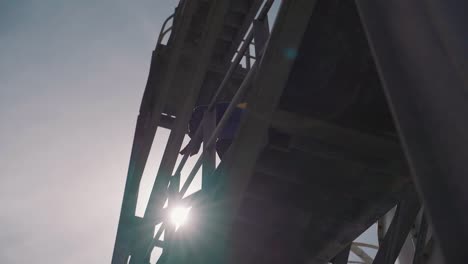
(225, 137)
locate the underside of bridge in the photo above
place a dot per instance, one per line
(327, 145)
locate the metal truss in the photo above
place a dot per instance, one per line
(419, 56)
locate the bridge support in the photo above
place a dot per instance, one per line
(405, 215)
(342, 257)
(420, 48)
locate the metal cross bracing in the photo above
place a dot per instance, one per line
(134, 236)
(317, 158)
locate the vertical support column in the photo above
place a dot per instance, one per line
(342, 257)
(421, 49)
(247, 59)
(421, 241)
(209, 162)
(142, 233)
(145, 131)
(261, 33)
(402, 222)
(170, 236)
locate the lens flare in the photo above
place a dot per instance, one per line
(179, 216)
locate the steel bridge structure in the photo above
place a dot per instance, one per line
(356, 114)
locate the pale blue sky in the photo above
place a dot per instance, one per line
(72, 74)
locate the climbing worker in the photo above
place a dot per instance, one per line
(225, 137)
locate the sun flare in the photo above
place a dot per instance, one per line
(179, 216)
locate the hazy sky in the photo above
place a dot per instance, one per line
(72, 74)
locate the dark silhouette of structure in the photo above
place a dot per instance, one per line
(355, 108)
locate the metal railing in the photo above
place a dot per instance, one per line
(164, 31)
(232, 105)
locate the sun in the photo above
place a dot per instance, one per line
(179, 216)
